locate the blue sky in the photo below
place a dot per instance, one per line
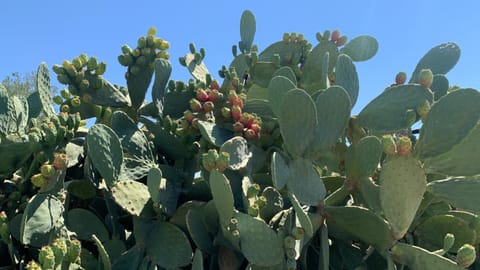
(51, 31)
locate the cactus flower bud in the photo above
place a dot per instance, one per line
(261, 201)
(404, 146)
(253, 190)
(425, 78)
(388, 144)
(238, 127)
(208, 106)
(298, 233)
(223, 161)
(60, 161)
(466, 255)
(236, 112)
(74, 249)
(47, 170)
(202, 95)
(341, 41)
(400, 78)
(195, 105)
(289, 242)
(253, 210)
(335, 35)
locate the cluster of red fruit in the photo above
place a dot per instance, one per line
(337, 39)
(245, 123)
(202, 105)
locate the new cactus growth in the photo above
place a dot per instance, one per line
(262, 166)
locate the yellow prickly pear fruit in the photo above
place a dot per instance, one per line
(466, 255)
(388, 144)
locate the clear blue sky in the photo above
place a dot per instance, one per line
(51, 31)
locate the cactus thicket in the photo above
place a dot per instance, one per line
(259, 166)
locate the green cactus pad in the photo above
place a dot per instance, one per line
(168, 246)
(360, 223)
(418, 258)
(362, 158)
(439, 86)
(304, 182)
(163, 69)
(293, 50)
(132, 196)
(108, 95)
(198, 231)
(115, 248)
(16, 153)
(21, 113)
(259, 107)
(440, 59)
(237, 148)
(461, 192)
(257, 92)
(137, 84)
(241, 63)
(387, 112)
(314, 74)
(222, 196)
(197, 262)
(346, 76)
(431, 232)
(361, 48)
(286, 72)
(277, 88)
(301, 215)
(102, 253)
(214, 133)
(198, 70)
(4, 110)
(297, 120)
(261, 72)
(247, 30)
(81, 189)
(274, 203)
(154, 180)
(43, 89)
(130, 259)
(259, 244)
(402, 185)
(166, 143)
(176, 103)
(105, 152)
(370, 192)
(280, 171)
(84, 223)
(333, 113)
(42, 214)
(461, 111)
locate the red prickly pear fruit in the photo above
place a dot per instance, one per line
(214, 95)
(223, 161)
(232, 96)
(250, 134)
(39, 180)
(341, 41)
(195, 105)
(261, 201)
(60, 161)
(208, 106)
(298, 233)
(238, 127)
(425, 78)
(237, 102)
(253, 190)
(47, 170)
(400, 78)
(335, 35)
(423, 109)
(255, 127)
(226, 113)
(202, 95)
(253, 210)
(289, 242)
(404, 146)
(388, 144)
(189, 116)
(246, 119)
(214, 85)
(466, 255)
(236, 112)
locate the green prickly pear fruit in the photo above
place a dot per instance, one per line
(75, 101)
(4, 230)
(97, 110)
(46, 257)
(164, 45)
(92, 63)
(335, 35)
(66, 64)
(411, 117)
(195, 105)
(47, 170)
(423, 109)
(58, 69)
(261, 201)
(125, 60)
(291, 264)
(152, 31)
(136, 53)
(341, 41)
(300, 38)
(238, 127)
(59, 248)
(33, 265)
(253, 210)
(150, 41)
(202, 95)
(101, 68)
(404, 146)
(141, 42)
(84, 58)
(388, 144)
(71, 70)
(400, 78)
(107, 114)
(226, 113)
(208, 106)
(209, 159)
(236, 112)
(188, 115)
(291, 253)
(77, 63)
(65, 93)
(60, 161)
(63, 79)
(223, 161)
(58, 100)
(163, 55)
(289, 242)
(253, 190)
(466, 255)
(286, 37)
(425, 78)
(448, 241)
(74, 248)
(126, 49)
(298, 233)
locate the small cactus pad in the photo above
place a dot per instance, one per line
(361, 48)
(419, 258)
(460, 192)
(132, 196)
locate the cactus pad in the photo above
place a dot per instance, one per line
(132, 196)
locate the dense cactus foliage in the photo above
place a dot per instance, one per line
(261, 166)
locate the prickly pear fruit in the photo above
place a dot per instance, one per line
(388, 144)
(400, 78)
(448, 241)
(341, 41)
(60, 161)
(33, 265)
(423, 109)
(261, 201)
(466, 255)
(226, 113)
(195, 105)
(425, 78)
(59, 248)
(250, 134)
(335, 35)
(209, 159)
(404, 146)
(202, 95)
(75, 102)
(46, 257)
(236, 112)
(39, 180)
(298, 233)
(208, 106)
(238, 127)
(289, 242)
(74, 249)
(47, 170)
(253, 190)
(223, 161)
(253, 210)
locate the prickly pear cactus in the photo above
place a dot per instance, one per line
(261, 166)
